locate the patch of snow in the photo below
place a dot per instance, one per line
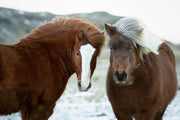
(92, 105)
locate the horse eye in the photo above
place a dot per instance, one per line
(111, 48)
(130, 48)
(77, 54)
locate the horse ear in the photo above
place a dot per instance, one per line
(142, 29)
(79, 36)
(110, 29)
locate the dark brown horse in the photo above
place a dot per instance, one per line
(141, 79)
(35, 71)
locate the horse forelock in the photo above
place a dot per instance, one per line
(59, 24)
(136, 31)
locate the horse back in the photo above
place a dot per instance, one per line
(167, 73)
(167, 52)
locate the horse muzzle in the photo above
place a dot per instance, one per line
(120, 78)
(83, 89)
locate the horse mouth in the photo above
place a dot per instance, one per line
(83, 89)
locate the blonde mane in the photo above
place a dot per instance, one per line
(59, 24)
(136, 31)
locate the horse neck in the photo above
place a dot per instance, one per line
(142, 68)
(60, 50)
(59, 47)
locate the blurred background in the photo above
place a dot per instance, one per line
(19, 17)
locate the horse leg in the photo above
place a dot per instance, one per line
(148, 115)
(123, 116)
(25, 112)
(120, 115)
(39, 112)
(159, 115)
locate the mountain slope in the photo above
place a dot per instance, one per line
(15, 24)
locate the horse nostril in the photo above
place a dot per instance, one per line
(83, 89)
(79, 84)
(124, 75)
(116, 73)
(88, 86)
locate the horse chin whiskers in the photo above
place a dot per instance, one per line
(124, 83)
(121, 82)
(127, 82)
(83, 89)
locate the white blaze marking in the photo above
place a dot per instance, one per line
(87, 52)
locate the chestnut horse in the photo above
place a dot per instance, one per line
(141, 79)
(35, 71)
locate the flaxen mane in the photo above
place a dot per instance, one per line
(136, 31)
(60, 24)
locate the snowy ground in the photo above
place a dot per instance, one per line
(93, 105)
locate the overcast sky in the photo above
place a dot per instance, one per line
(161, 16)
